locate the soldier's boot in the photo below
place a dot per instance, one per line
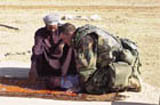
(134, 84)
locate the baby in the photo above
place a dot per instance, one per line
(69, 83)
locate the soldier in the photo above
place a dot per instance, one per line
(98, 56)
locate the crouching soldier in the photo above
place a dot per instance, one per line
(103, 61)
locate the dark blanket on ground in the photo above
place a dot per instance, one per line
(26, 88)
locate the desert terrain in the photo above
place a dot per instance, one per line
(138, 20)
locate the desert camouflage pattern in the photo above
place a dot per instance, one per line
(96, 51)
(94, 47)
(116, 77)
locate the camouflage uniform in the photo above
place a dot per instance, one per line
(96, 51)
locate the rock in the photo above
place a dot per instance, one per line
(29, 51)
(7, 54)
(95, 17)
(84, 18)
(68, 17)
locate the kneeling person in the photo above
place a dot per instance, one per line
(97, 59)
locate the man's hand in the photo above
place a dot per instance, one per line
(67, 62)
(73, 90)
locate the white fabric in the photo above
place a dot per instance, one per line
(52, 19)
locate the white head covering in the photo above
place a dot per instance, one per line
(52, 19)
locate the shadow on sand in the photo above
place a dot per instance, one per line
(130, 103)
(18, 77)
(14, 72)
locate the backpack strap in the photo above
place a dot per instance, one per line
(132, 47)
(137, 63)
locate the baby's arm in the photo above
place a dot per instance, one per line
(66, 64)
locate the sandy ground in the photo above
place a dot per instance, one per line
(35, 101)
(131, 98)
(133, 19)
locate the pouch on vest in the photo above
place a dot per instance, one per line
(126, 77)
